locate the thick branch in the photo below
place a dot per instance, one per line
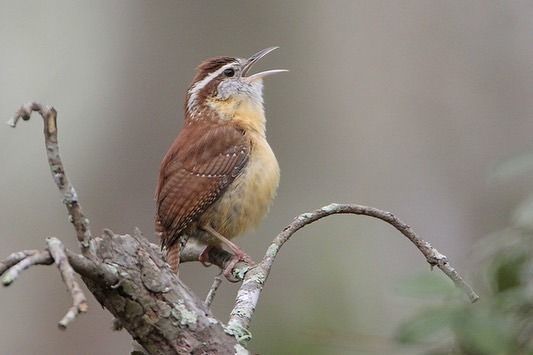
(154, 306)
(135, 284)
(131, 281)
(70, 197)
(255, 278)
(128, 276)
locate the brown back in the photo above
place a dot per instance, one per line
(203, 160)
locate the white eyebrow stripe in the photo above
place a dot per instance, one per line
(195, 89)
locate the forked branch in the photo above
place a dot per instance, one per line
(15, 263)
(129, 277)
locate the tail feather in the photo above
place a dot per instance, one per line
(173, 257)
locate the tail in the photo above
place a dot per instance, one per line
(173, 257)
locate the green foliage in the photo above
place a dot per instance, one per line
(500, 323)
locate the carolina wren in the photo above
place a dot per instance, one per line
(220, 175)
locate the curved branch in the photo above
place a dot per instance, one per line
(129, 277)
(255, 278)
(126, 274)
(70, 197)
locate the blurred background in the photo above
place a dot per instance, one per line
(407, 106)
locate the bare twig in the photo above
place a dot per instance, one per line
(70, 197)
(213, 290)
(19, 261)
(255, 278)
(125, 272)
(15, 258)
(67, 262)
(57, 250)
(36, 258)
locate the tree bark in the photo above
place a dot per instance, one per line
(152, 304)
(129, 277)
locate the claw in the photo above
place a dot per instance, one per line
(204, 257)
(234, 261)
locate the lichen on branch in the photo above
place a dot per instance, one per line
(129, 277)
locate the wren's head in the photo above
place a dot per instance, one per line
(222, 88)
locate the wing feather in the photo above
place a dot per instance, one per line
(201, 163)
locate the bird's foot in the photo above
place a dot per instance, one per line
(204, 257)
(237, 257)
(238, 253)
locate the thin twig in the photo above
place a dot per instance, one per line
(255, 278)
(70, 197)
(57, 250)
(68, 263)
(38, 258)
(15, 258)
(19, 261)
(213, 291)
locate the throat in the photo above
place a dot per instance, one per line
(247, 115)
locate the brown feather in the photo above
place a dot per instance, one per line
(173, 257)
(203, 160)
(220, 171)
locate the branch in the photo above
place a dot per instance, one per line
(255, 278)
(133, 282)
(216, 256)
(14, 264)
(128, 276)
(15, 258)
(58, 253)
(70, 197)
(195, 329)
(19, 261)
(154, 306)
(20, 264)
(213, 290)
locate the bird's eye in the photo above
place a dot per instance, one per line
(229, 72)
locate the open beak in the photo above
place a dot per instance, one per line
(255, 58)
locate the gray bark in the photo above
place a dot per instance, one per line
(153, 305)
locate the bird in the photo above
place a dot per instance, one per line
(220, 175)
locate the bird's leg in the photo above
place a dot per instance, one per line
(239, 254)
(232, 246)
(204, 257)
